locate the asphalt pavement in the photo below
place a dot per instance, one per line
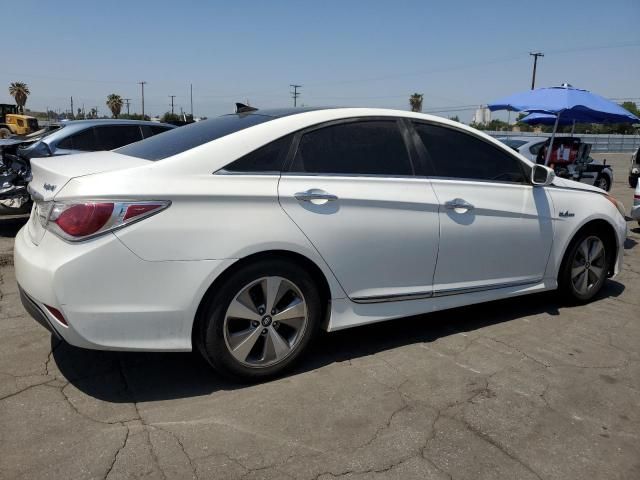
(527, 388)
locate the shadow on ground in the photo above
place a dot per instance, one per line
(9, 226)
(142, 377)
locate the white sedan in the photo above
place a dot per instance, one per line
(243, 235)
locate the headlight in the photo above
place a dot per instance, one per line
(618, 204)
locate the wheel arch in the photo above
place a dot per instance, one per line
(598, 225)
(286, 255)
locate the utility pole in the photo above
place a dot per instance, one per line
(127, 100)
(191, 92)
(295, 94)
(535, 56)
(172, 97)
(72, 106)
(142, 84)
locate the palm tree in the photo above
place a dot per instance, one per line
(114, 102)
(415, 101)
(19, 91)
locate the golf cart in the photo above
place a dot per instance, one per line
(570, 158)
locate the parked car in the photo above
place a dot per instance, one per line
(68, 138)
(578, 164)
(526, 146)
(91, 136)
(251, 231)
(634, 170)
(635, 210)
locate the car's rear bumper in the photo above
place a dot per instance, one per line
(110, 298)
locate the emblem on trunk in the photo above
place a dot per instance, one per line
(48, 186)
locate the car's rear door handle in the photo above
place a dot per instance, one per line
(458, 203)
(315, 194)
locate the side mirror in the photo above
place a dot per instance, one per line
(542, 176)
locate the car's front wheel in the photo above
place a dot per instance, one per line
(603, 182)
(261, 320)
(585, 266)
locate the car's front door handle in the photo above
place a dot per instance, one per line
(314, 194)
(458, 203)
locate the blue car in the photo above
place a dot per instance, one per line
(90, 136)
(71, 137)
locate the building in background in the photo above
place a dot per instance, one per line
(482, 116)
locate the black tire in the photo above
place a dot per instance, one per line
(603, 182)
(633, 181)
(5, 132)
(210, 338)
(566, 285)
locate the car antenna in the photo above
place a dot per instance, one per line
(242, 108)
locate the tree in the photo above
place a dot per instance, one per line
(19, 91)
(93, 113)
(455, 118)
(415, 102)
(170, 117)
(114, 102)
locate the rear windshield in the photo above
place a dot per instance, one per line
(181, 139)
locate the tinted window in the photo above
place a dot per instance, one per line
(265, 159)
(181, 139)
(510, 142)
(84, 140)
(534, 149)
(151, 130)
(457, 154)
(116, 136)
(363, 148)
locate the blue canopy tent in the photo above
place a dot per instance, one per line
(565, 103)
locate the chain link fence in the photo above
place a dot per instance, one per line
(600, 143)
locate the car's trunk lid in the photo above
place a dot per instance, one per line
(51, 174)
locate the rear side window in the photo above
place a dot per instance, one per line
(534, 149)
(456, 154)
(374, 147)
(84, 141)
(116, 136)
(269, 158)
(151, 130)
(181, 139)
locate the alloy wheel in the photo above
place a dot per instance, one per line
(265, 322)
(588, 266)
(602, 183)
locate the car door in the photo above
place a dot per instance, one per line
(495, 227)
(352, 188)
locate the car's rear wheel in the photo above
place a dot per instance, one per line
(5, 133)
(261, 320)
(585, 266)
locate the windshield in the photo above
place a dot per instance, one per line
(181, 139)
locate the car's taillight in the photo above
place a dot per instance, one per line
(82, 220)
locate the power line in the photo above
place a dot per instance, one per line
(295, 94)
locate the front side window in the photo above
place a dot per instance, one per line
(371, 147)
(116, 136)
(534, 149)
(456, 154)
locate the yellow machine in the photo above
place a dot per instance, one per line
(12, 123)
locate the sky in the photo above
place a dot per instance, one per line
(459, 54)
